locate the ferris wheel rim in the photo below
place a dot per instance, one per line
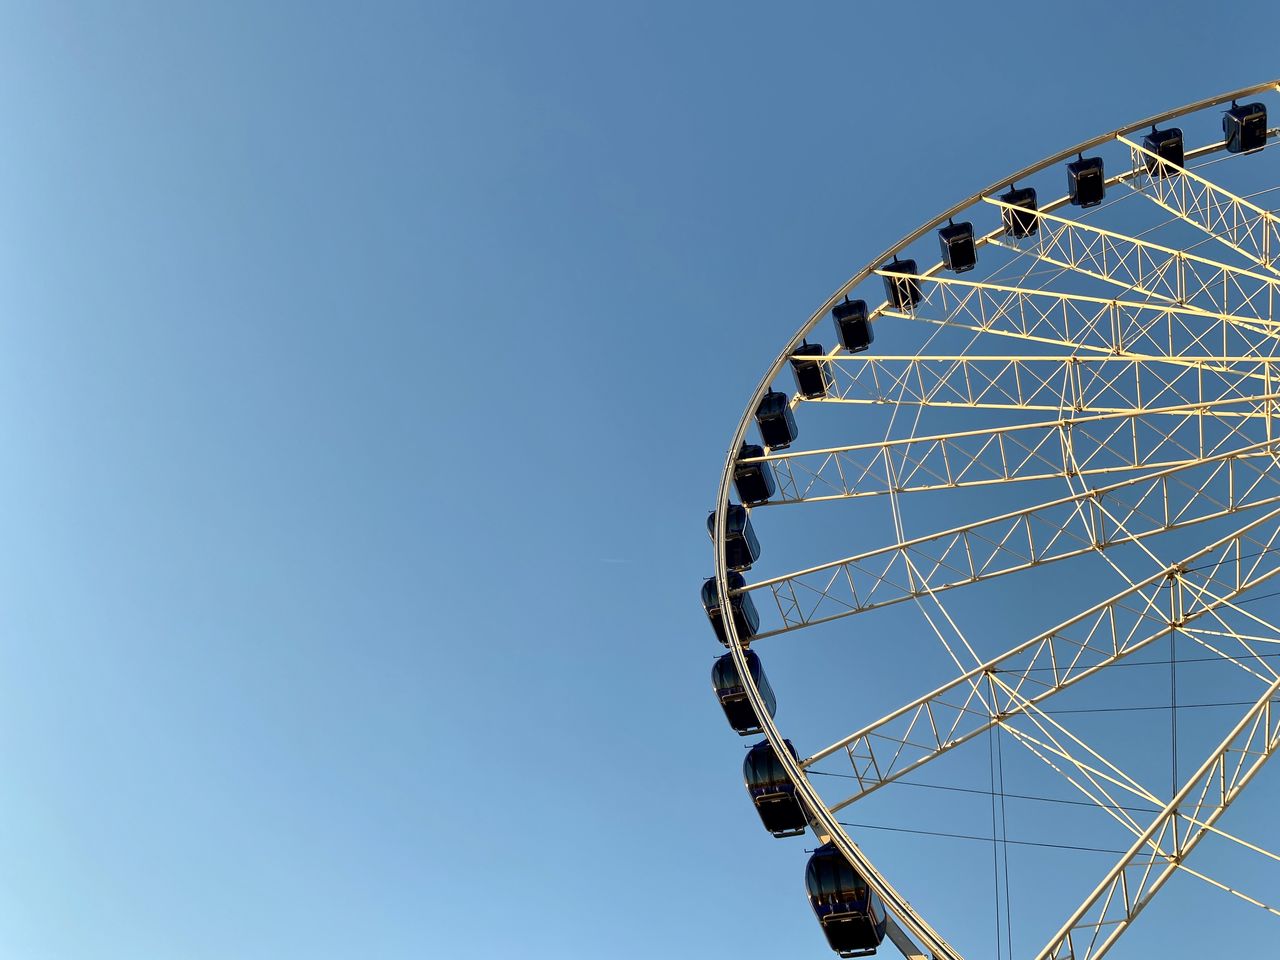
(822, 819)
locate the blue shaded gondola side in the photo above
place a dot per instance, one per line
(741, 548)
(1019, 218)
(853, 328)
(776, 421)
(812, 381)
(1166, 145)
(959, 249)
(753, 481)
(852, 916)
(1245, 127)
(772, 791)
(902, 292)
(731, 692)
(746, 621)
(1086, 181)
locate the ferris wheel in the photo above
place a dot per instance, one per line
(1009, 501)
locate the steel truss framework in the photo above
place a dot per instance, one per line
(1113, 327)
(1233, 221)
(1045, 665)
(1093, 520)
(1149, 389)
(1107, 443)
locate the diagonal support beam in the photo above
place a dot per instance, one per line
(1125, 512)
(1184, 280)
(1108, 804)
(1233, 221)
(1082, 383)
(1078, 446)
(1138, 876)
(1138, 616)
(1111, 327)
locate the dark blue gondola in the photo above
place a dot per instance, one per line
(959, 251)
(902, 292)
(727, 683)
(852, 916)
(1022, 221)
(746, 621)
(1086, 183)
(1245, 127)
(753, 481)
(776, 421)
(1167, 147)
(852, 326)
(741, 548)
(810, 373)
(772, 791)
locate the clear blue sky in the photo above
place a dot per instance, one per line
(365, 375)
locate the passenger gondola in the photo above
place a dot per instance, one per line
(810, 373)
(1019, 217)
(776, 421)
(1245, 127)
(959, 251)
(852, 916)
(902, 292)
(772, 791)
(741, 548)
(1166, 145)
(727, 683)
(1086, 183)
(753, 481)
(746, 621)
(852, 326)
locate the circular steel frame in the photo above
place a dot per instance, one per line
(822, 819)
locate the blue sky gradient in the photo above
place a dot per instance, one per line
(366, 373)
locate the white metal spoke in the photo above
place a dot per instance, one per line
(1095, 792)
(1135, 879)
(1246, 228)
(1105, 327)
(1120, 326)
(1105, 772)
(1129, 262)
(1185, 281)
(1086, 383)
(1117, 778)
(1074, 446)
(1078, 648)
(998, 546)
(1101, 798)
(1125, 351)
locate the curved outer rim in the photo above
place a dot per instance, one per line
(823, 821)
